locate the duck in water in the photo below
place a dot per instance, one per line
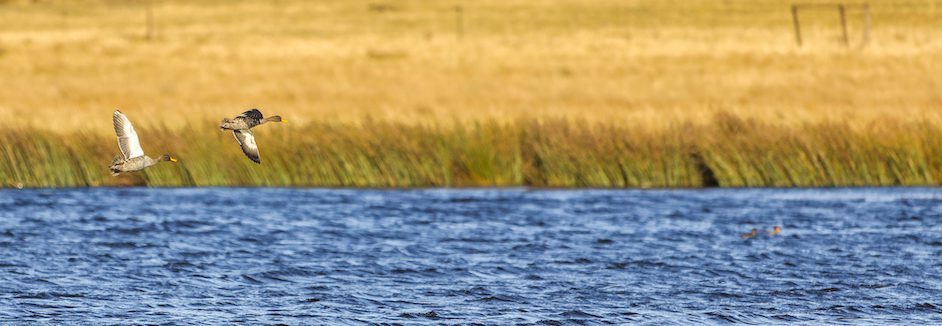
(241, 128)
(750, 235)
(775, 231)
(132, 157)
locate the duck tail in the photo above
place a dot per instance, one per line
(114, 164)
(225, 124)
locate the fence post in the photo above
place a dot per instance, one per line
(840, 9)
(797, 24)
(866, 29)
(150, 19)
(459, 23)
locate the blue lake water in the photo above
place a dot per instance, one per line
(314, 256)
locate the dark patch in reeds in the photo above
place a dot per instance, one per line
(707, 177)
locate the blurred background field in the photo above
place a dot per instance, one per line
(599, 93)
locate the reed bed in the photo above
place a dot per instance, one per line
(729, 151)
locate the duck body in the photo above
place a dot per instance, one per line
(237, 124)
(247, 120)
(750, 235)
(120, 165)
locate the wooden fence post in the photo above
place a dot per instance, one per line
(459, 23)
(866, 29)
(842, 11)
(797, 24)
(150, 19)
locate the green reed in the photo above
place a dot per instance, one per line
(729, 151)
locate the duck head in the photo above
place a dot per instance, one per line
(166, 158)
(275, 118)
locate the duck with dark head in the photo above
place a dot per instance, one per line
(241, 127)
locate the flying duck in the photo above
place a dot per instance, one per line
(132, 157)
(241, 128)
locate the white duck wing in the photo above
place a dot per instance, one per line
(247, 140)
(128, 142)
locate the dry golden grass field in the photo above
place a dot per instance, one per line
(607, 93)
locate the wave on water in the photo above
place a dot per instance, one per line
(490, 256)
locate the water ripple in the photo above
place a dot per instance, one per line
(551, 257)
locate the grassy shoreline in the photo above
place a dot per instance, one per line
(727, 152)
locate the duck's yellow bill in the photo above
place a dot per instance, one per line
(173, 159)
(284, 120)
